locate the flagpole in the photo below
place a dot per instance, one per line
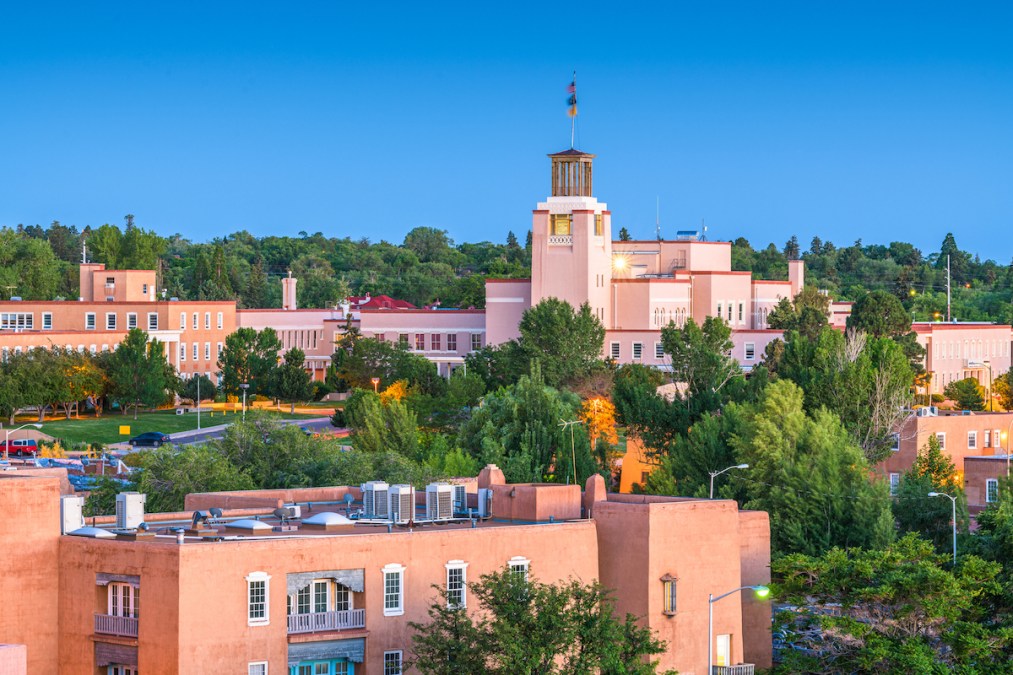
(573, 117)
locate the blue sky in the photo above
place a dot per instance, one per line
(879, 121)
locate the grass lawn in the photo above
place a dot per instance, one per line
(106, 429)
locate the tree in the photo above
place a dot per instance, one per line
(379, 427)
(624, 234)
(567, 343)
(1002, 388)
(429, 244)
(139, 373)
(188, 388)
(599, 416)
(249, 357)
(931, 517)
(966, 393)
(807, 313)
(168, 475)
(791, 248)
(291, 381)
(523, 626)
(700, 360)
(880, 314)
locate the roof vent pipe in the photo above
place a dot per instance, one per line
(180, 536)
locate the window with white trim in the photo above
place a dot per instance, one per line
(420, 342)
(257, 668)
(110, 320)
(182, 320)
(393, 590)
(741, 308)
(476, 341)
(89, 321)
(117, 669)
(392, 663)
(258, 599)
(196, 320)
(719, 314)
(435, 341)
(220, 347)
(750, 349)
(638, 351)
(668, 593)
(614, 350)
(47, 321)
(221, 320)
(123, 600)
(207, 351)
(451, 342)
(519, 565)
(207, 320)
(894, 483)
(182, 351)
(972, 440)
(659, 350)
(991, 490)
(196, 349)
(457, 584)
(941, 437)
(988, 438)
(131, 320)
(152, 321)
(895, 442)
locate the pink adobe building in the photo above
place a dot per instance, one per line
(325, 595)
(958, 350)
(111, 303)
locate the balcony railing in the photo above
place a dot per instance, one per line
(741, 669)
(116, 625)
(560, 240)
(321, 621)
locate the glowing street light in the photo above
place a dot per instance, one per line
(761, 592)
(376, 383)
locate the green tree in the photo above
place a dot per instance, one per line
(524, 626)
(139, 373)
(168, 475)
(930, 517)
(701, 361)
(188, 388)
(567, 343)
(1002, 389)
(966, 393)
(624, 234)
(807, 313)
(880, 314)
(291, 381)
(378, 427)
(249, 357)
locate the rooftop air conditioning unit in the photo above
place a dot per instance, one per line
(439, 501)
(484, 503)
(294, 510)
(402, 503)
(71, 513)
(374, 499)
(930, 411)
(130, 510)
(460, 499)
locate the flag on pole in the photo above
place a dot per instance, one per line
(572, 100)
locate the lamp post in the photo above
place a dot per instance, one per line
(1005, 438)
(573, 453)
(714, 474)
(989, 364)
(376, 382)
(761, 592)
(954, 500)
(244, 386)
(7, 436)
(198, 402)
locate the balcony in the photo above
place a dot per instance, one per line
(323, 621)
(560, 240)
(109, 624)
(741, 669)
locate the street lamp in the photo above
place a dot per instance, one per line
(244, 386)
(1004, 438)
(376, 382)
(714, 474)
(989, 364)
(7, 436)
(761, 592)
(573, 453)
(954, 500)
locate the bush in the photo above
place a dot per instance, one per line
(938, 398)
(321, 389)
(338, 419)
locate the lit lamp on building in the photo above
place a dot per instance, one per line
(761, 592)
(1004, 440)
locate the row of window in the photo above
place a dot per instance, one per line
(637, 351)
(561, 224)
(112, 322)
(739, 317)
(989, 437)
(5, 353)
(970, 349)
(662, 317)
(196, 320)
(436, 341)
(393, 664)
(991, 488)
(196, 351)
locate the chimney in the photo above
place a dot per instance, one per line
(796, 276)
(288, 292)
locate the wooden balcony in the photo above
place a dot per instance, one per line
(109, 624)
(323, 621)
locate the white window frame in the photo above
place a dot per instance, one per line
(47, 321)
(894, 442)
(451, 342)
(196, 351)
(258, 578)
(207, 320)
(221, 320)
(207, 351)
(257, 668)
(941, 437)
(972, 440)
(659, 350)
(182, 351)
(131, 320)
(110, 320)
(519, 565)
(182, 320)
(115, 597)
(462, 567)
(637, 351)
(393, 662)
(749, 351)
(393, 568)
(991, 490)
(220, 347)
(476, 341)
(196, 320)
(894, 483)
(988, 438)
(89, 321)
(615, 351)
(152, 320)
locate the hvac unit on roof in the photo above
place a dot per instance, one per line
(460, 499)
(374, 499)
(402, 503)
(484, 503)
(130, 510)
(439, 501)
(71, 513)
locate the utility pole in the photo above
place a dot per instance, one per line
(947, 288)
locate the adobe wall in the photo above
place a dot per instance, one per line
(506, 300)
(29, 538)
(754, 547)
(13, 660)
(267, 498)
(531, 503)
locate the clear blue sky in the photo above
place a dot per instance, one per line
(885, 121)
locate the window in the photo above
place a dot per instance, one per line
(116, 669)
(420, 342)
(719, 310)
(89, 321)
(519, 566)
(221, 320)
(988, 438)
(207, 351)
(182, 351)
(476, 341)
(972, 440)
(941, 437)
(435, 342)
(207, 320)
(392, 663)
(182, 320)
(991, 490)
(668, 589)
(393, 590)
(110, 281)
(220, 348)
(638, 350)
(144, 288)
(257, 668)
(895, 442)
(894, 483)
(729, 312)
(659, 350)
(740, 312)
(342, 598)
(131, 320)
(17, 320)
(196, 320)
(457, 584)
(561, 224)
(599, 227)
(152, 321)
(452, 342)
(124, 600)
(257, 599)
(614, 352)
(47, 321)
(110, 321)
(750, 351)
(402, 338)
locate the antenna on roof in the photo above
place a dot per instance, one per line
(84, 250)
(657, 218)
(703, 230)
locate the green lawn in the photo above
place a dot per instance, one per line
(106, 429)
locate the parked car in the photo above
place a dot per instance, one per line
(151, 438)
(20, 447)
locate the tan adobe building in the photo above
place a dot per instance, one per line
(322, 594)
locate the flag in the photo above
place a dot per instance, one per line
(572, 99)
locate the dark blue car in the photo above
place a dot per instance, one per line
(151, 438)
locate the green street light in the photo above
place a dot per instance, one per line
(761, 592)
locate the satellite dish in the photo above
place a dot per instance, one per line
(216, 513)
(283, 514)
